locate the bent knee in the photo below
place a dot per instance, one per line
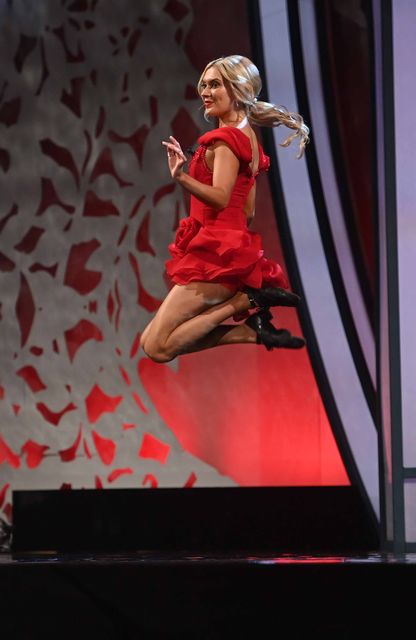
(156, 353)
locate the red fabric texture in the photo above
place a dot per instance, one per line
(216, 245)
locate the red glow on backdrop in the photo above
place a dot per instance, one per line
(261, 433)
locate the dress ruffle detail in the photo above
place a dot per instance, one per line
(232, 256)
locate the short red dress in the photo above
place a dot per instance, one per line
(214, 245)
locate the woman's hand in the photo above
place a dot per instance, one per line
(176, 157)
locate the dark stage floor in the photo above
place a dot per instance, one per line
(165, 558)
(205, 595)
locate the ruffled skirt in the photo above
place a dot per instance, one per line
(231, 257)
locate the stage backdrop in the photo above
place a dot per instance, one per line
(88, 91)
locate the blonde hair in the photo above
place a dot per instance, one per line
(244, 81)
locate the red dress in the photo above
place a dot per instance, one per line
(214, 245)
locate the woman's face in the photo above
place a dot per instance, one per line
(216, 98)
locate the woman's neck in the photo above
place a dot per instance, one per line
(237, 119)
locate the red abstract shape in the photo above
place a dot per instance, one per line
(106, 448)
(83, 331)
(3, 494)
(66, 486)
(67, 455)
(72, 98)
(136, 207)
(16, 409)
(119, 472)
(34, 452)
(49, 198)
(92, 306)
(54, 417)
(55, 345)
(136, 140)
(37, 351)
(191, 481)
(30, 240)
(133, 40)
(87, 449)
(9, 112)
(74, 24)
(76, 275)
(190, 92)
(125, 375)
(70, 57)
(163, 191)
(87, 151)
(105, 166)
(32, 378)
(144, 298)
(128, 425)
(110, 306)
(154, 448)
(6, 264)
(41, 267)
(61, 156)
(8, 511)
(136, 344)
(151, 479)
(100, 122)
(142, 236)
(95, 207)
(4, 160)
(122, 234)
(1, 392)
(98, 482)
(78, 5)
(7, 455)
(139, 402)
(153, 111)
(176, 9)
(25, 310)
(13, 212)
(118, 300)
(24, 49)
(45, 70)
(97, 402)
(184, 128)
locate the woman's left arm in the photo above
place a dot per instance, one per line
(225, 171)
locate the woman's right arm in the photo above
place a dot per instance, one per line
(225, 171)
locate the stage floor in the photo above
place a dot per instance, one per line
(207, 596)
(152, 558)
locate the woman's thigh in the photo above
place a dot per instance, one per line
(182, 303)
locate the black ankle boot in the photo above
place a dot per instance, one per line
(271, 337)
(271, 297)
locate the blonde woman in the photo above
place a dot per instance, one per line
(217, 265)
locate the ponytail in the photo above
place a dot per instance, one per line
(265, 114)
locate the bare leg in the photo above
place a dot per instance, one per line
(190, 312)
(222, 335)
